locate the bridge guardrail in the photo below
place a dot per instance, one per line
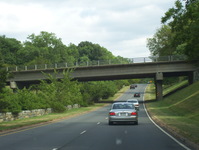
(99, 63)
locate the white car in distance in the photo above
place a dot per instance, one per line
(135, 102)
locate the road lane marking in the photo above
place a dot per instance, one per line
(118, 141)
(125, 132)
(83, 132)
(98, 123)
(184, 146)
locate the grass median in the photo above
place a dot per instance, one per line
(178, 112)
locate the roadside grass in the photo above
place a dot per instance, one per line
(174, 87)
(179, 111)
(150, 94)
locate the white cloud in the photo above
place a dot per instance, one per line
(120, 26)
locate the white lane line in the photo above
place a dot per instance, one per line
(98, 123)
(106, 118)
(83, 132)
(184, 146)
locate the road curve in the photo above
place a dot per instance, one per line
(91, 132)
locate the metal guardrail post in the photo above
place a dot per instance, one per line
(26, 68)
(98, 63)
(35, 67)
(16, 68)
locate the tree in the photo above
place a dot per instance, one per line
(160, 44)
(3, 77)
(8, 50)
(184, 23)
(45, 46)
(60, 93)
(94, 51)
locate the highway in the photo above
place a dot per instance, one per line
(91, 132)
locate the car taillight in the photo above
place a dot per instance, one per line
(112, 114)
(133, 113)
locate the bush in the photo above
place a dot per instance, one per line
(58, 107)
(9, 105)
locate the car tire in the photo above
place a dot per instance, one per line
(136, 122)
(110, 123)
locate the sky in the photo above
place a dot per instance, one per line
(121, 26)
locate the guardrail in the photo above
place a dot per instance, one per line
(98, 63)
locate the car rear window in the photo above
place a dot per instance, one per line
(123, 106)
(132, 101)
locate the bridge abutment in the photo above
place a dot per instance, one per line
(18, 85)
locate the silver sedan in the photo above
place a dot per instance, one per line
(122, 112)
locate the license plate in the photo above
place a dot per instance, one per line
(123, 114)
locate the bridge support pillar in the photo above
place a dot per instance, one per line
(191, 78)
(158, 83)
(18, 85)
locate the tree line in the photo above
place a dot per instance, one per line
(46, 48)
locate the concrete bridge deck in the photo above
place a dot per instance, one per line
(156, 70)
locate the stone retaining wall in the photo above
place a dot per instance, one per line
(30, 113)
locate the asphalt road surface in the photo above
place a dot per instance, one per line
(91, 132)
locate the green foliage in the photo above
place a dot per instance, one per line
(8, 102)
(96, 90)
(93, 51)
(3, 76)
(8, 50)
(179, 34)
(184, 23)
(160, 44)
(179, 111)
(58, 107)
(64, 92)
(109, 89)
(46, 48)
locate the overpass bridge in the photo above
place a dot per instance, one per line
(131, 70)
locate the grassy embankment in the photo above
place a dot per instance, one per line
(179, 112)
(55, 116)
